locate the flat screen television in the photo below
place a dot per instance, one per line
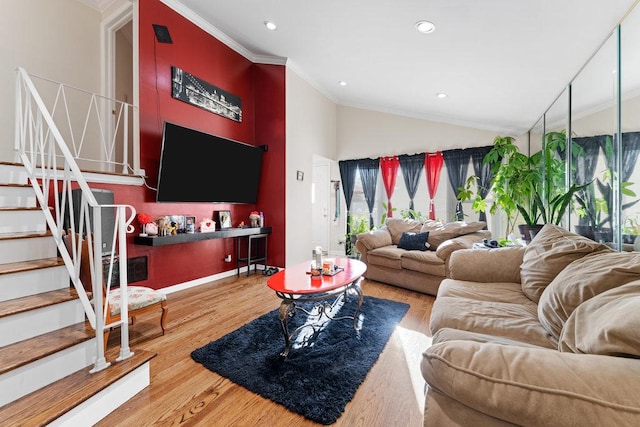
(200, 167)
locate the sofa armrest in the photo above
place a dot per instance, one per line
(374, 239)
(486, 265)
(466, 241)
(535, 386)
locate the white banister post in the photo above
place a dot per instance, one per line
(98, 300)
(125, 351)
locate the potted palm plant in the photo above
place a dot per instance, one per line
(531, 186)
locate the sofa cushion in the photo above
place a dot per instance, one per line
(492, 292)
(487, 265)
(439, 232)
(450, 334)
(387, 256)
(398, 226)
(534, 386)
(607, 324)
(582, 280)
(518, 322)
(549, 253)
(424, 262)
(375, 239)
(414, 241)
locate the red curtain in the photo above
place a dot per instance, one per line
(389, 168)
(433, 166)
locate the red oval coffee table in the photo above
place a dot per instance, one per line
(295, 285)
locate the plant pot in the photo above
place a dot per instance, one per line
(629, 238)
(586, 231)
(603, 235)
(528, 232)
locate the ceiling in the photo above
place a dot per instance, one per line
(501, 62)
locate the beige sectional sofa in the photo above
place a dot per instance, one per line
(547, 335)
(418, 270)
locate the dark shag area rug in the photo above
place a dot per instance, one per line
(319, 377)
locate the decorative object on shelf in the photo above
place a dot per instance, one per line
(224, 219)
(254, 219)
(151, 229)
(207, 226)
(144, 219)
(195, 91)
(177, 223)
(162, 226)
(190, 224)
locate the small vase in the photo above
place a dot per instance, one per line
(143, 231)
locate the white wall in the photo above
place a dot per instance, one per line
(59, 40)
(311, 129)
(366, 133)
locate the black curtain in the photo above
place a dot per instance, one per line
(630, 151)
(369, 176)
(457, 163)
(585, 169)
(483, 172)
(411, 166)
(348, 170)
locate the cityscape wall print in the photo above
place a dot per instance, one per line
(195, 91)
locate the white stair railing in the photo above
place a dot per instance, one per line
(96, 129)
(53, 173)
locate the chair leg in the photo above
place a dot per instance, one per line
(163, 318)
(106, 338)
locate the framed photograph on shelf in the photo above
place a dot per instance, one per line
(190, 224)
(224, 219)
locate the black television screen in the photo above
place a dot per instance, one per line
(200, 167)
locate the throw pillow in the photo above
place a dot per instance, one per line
(439, 232)
(548, 254)
(607, 324)
(414, 241)
(581, 280)
(398, 226)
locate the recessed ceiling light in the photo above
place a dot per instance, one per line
(270, 25)
(441, 95)
(425, 27)
(342, 83)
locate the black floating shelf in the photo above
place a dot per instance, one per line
(196, 237)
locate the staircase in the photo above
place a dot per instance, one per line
(47, 347)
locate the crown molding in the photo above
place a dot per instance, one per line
(99, 5)
(221, 36)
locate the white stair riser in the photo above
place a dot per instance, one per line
(37, 322)
(17, 197)
(31, 377)
(25, 283)
(22, 221)
(103, 403)
(16, 250)
(10, 174)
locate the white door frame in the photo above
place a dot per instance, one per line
(127, 11)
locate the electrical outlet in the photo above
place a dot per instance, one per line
(227, 258)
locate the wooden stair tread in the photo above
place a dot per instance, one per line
(17, 267)
(51, 402)
(32, 302)
(15, 185)
(25, 235)
(22, 353)
(10, 209)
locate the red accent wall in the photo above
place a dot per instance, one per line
(262, 92)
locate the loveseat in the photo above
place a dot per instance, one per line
(423, 263)
(547, 335)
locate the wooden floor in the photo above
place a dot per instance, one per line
(183, 392)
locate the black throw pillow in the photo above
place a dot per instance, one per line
(414, 241)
